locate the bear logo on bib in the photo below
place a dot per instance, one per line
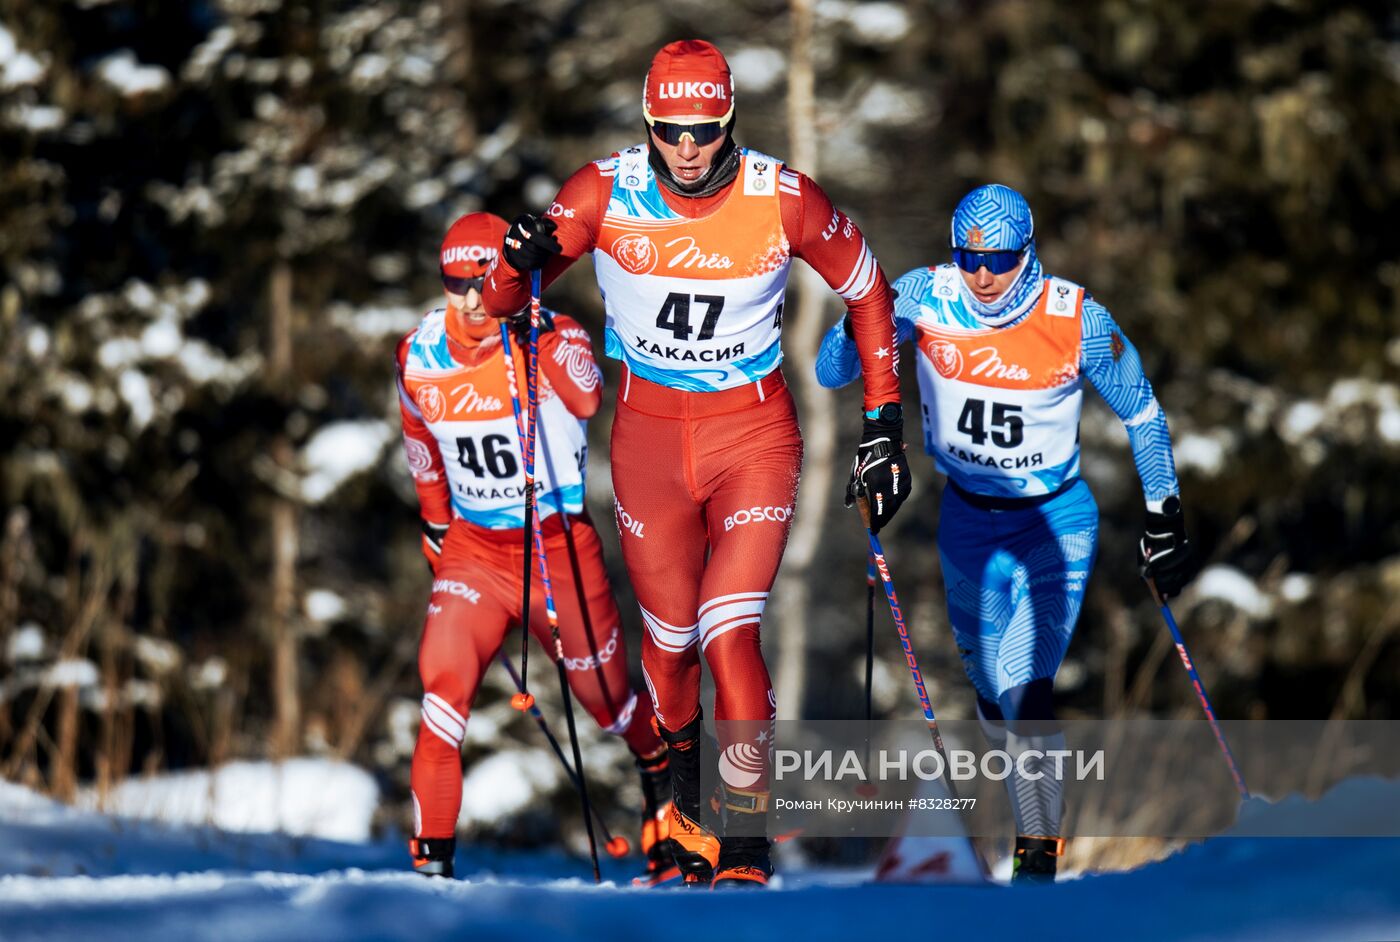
(431, 403)
(636, 253)
(947, 358)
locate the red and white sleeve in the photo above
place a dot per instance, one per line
(566, 357)
(421, 449)
(827, 239)
(578, 212)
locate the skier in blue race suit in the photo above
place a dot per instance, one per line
(1004, 350)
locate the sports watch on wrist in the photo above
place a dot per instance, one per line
(890, 413)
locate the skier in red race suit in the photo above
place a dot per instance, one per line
(692, 237)
(463, 449)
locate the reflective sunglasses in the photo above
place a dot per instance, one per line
(701, 132)
(460, 285)
(998, 263)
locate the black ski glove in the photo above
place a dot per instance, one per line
(880, 472)
(1165, 554)
(433, 535)
(530, 242)
(520, 326)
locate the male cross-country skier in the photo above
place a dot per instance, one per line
(1003, 352)
(463, 449)
(692, 237)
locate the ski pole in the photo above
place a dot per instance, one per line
(877, 553)
(1199, 686)
(523, 700)
(870, 577)
(616, 846)
(869, 788)
(576, 570)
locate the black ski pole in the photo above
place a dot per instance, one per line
(616, 846)
(576, 570)
(522, 701)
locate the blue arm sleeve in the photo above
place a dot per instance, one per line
(837, 361)
(1112, 364)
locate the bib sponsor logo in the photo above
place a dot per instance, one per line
(992, 366)
(1060, 304)
(459, 589)
(476, 254)
(431, 403)
(626, 523)
(760, 167)
(756, 514)
(673, 90)
(636, 253)
(689, 256)
(469, 400)
(947, 358)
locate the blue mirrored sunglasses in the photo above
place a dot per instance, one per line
(998, 263)
(460, 285)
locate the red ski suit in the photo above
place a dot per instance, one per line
(463, 451)
(706, 450)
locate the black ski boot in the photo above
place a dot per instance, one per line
(1036, 858)
(744, 862)
(432, 856)
(656, 818)
(694, 847)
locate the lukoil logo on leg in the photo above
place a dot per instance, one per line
(459, 589)
(626, 522)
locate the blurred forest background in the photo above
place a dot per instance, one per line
(217, 216)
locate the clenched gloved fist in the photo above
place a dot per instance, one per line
(433, 535)
(1165, 555)
(530, 242)
(520, 325)
(880, 472)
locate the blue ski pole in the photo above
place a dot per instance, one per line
(1199, 687)
(526, 427)
(877, 554)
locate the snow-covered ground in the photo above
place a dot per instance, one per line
(74, 874)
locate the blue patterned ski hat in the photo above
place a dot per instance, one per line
(993, 218)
